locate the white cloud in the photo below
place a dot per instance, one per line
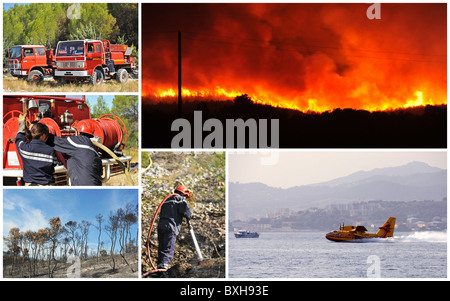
(19, 214)
(33, 219)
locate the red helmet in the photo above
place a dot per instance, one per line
(86, 127)
(183, 191)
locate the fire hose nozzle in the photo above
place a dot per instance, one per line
(194, 239)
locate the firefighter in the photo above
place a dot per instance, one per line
(84, 163)
(38, 158)
(172, 212)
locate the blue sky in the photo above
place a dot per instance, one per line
(92, 99)
(6, 6)
(31, 209)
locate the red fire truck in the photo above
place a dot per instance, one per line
(93, 60)
(61, 114)
(31, 62)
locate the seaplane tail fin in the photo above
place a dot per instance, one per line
(387, 230)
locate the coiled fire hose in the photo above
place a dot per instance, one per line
(99, 145)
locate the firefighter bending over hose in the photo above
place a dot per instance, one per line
(38, 158)
(173, 210)
(84, 164)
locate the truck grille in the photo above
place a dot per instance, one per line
(14, 65)
(70, 65)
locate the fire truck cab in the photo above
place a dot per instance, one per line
(93, 60)
(31, 62)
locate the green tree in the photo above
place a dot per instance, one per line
(84, 31)
(34, 23)
(100, 108)
(98, 15)
(127, 108)
(13, 26)
(126, 15)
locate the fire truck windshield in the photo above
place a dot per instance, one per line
(70, 48)
(16, 52)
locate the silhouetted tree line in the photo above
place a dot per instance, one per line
(419, 127)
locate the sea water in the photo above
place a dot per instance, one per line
(311, 255)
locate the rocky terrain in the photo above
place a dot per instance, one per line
(124, 267)
(204, 174)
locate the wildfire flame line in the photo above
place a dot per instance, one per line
(313, 104)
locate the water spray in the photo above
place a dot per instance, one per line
(194, 239)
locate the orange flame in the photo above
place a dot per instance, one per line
(313, 105)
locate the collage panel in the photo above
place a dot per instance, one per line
(294, 75)
(337, 214)
(70, 140)
(70, 233)
(71, 47)
(183, 227)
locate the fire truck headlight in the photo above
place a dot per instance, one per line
(79, 65)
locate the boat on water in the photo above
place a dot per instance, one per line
(246, 234)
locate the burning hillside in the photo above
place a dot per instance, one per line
(307, 57)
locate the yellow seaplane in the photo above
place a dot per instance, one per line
(354, 233)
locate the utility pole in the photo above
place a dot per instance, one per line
(179, 75)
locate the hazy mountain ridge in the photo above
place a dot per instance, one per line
(413, 181)
(407, 170)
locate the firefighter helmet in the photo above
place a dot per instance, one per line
(86, 127)
(183, 191)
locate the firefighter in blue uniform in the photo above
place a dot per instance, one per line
(38, 158)
(173, 210)
(84, 164)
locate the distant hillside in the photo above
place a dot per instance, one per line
(400, 173)
(414, 181)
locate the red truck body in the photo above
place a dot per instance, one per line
(60, 114)
(93, 60)
(31, 62)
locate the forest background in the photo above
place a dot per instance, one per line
(42, 23)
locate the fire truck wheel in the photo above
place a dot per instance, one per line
(122, 76)
(96, 78)
(35, 76)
